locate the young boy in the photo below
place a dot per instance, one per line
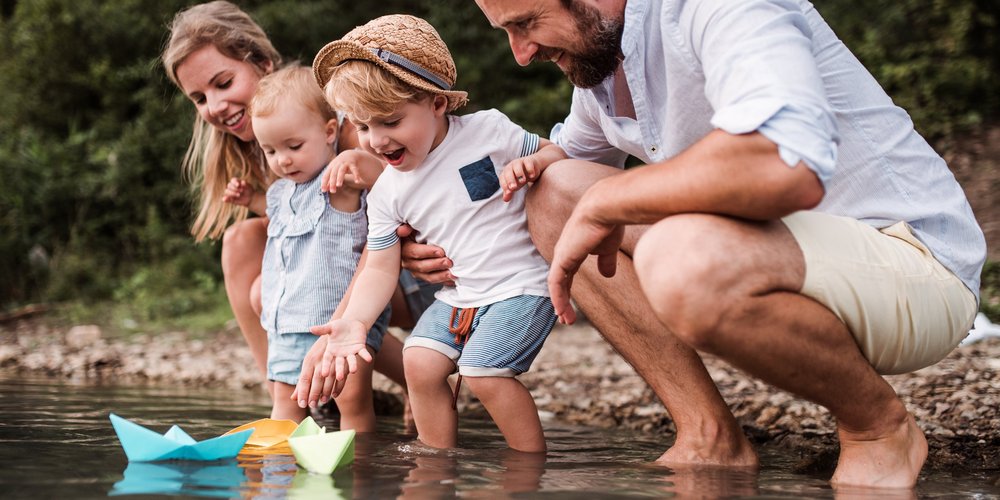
(314, 239)
(393, 78)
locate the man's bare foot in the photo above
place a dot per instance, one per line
(881, 459)
(717, 453)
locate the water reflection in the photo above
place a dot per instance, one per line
(181, 478)
(56, 442)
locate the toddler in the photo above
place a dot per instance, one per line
(314, 238)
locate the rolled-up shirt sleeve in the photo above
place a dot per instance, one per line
(581, 135)
(761, 75)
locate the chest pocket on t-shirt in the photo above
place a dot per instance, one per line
(480, 179)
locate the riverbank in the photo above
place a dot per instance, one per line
(577, 378)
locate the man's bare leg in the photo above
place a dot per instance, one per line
(730, 287)
(707, 432)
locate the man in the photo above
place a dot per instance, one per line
(798, 227)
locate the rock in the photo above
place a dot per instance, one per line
(81, 336)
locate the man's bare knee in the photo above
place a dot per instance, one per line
(679, 277)
(551, 200)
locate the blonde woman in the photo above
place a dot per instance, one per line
(216, 55)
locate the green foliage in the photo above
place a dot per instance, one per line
(93, 207)
(938, 59)
(990, 291)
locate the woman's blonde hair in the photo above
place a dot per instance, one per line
(364, 90)
(294, 82)
(214, 156)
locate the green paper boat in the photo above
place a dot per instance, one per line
(319, 451)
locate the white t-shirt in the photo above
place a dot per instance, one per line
(453, 200)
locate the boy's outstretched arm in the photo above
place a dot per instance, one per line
(371, 291)
(521, 171)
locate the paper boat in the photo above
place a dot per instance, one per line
(271, 436)
(144, 445)
(322, 452)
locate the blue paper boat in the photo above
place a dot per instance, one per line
(144, 445)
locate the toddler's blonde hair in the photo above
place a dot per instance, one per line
(294, 82)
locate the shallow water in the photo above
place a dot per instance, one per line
(56, 442)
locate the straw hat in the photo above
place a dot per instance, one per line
(406, 46)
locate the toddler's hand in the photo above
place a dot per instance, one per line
(357, 168)
(238, 192)
(517, 174)
(313, 388)
(346, 343)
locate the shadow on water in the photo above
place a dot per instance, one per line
(56, 442)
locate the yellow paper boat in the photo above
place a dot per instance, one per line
(271, 436)
(322, 452)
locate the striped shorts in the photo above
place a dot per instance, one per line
(506, 336)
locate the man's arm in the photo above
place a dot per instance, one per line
(735, 175)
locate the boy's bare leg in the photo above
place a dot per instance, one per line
(707, 432)
(242, 254)
(730, 287)
(513, 410)
(357, 409)
(389, 362)
(284, 408)
(427, 374)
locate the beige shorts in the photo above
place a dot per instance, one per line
(904, 308)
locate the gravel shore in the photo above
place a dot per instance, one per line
(577, 378)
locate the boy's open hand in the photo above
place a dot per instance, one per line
(238, 192)
(345, 344)
(519, 173)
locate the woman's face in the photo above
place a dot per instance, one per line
(220, 88)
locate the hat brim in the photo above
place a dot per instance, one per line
(336, 52)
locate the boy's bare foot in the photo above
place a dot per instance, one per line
(890, 459)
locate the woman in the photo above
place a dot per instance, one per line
(216, 54)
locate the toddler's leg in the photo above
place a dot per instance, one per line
(513, 409)
(430, 396)
(284, 408)
(357, 410)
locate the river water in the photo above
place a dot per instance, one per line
(56, 441)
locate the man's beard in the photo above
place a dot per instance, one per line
(598, 57)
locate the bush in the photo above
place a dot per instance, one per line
(92, 133)
(938, 59)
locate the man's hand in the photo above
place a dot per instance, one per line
(581, 236)
(425, 262)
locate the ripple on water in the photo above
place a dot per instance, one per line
(57, 442)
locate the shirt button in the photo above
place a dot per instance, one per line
(652, 148)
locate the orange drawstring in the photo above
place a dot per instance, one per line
(462, 331)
